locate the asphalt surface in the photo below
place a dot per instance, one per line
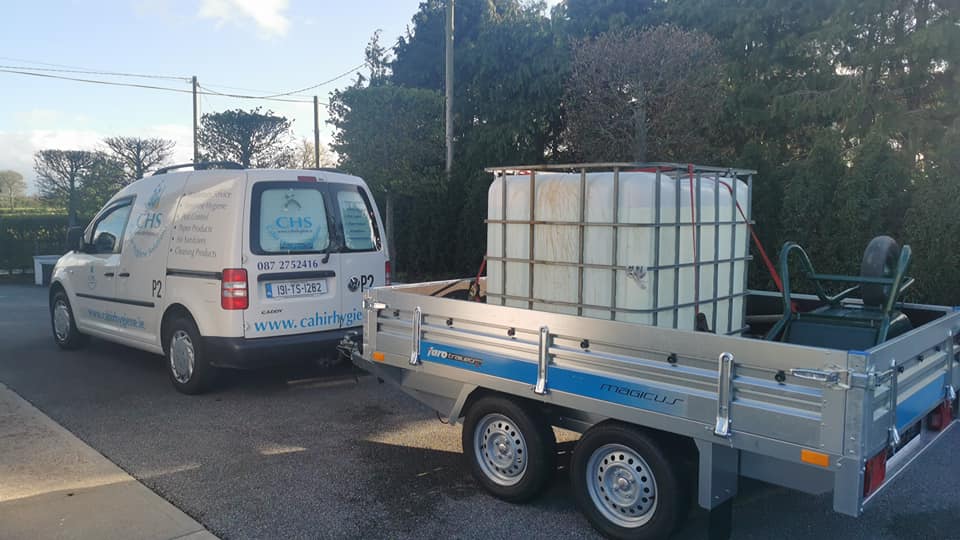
(295, 452)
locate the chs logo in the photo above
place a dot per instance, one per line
(150, 218)
(301, 223)
(149, 224)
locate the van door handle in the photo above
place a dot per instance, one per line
(123, 274)
(108, 274)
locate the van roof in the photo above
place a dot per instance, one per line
(323, 174)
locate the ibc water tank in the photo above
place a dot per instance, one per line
(627, 246)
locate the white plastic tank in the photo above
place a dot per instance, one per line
(623, 278)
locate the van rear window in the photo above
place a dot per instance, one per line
(292, 219)
(307, 217)
(358, 229)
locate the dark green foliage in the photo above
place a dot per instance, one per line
(849, 110)
(250, 138)
(22, 237)
(393, 138)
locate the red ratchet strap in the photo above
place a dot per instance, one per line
(756, 241)
(483, 266)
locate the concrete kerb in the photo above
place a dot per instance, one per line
(53, 485)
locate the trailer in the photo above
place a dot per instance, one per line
(667, 413)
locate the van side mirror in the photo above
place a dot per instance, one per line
(75, 238)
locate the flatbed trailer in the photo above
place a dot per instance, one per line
(664, 411)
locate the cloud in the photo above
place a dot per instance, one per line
(268, 15)
(18, 147)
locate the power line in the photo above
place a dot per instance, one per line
(145, 86)
(292, 92)
(210, 92)
(95, 81)
(63, 68)
(25, 61)
(90, 72)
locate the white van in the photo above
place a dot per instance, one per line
(232, 267)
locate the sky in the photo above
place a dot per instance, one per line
(256, 47)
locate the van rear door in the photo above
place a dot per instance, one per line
(364, 254)
(292, 259)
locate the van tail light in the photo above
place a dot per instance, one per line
(387, 274)
(875, 473)
(233, 289)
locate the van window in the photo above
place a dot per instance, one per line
(291, 219)
(357, 226)
(108, 230)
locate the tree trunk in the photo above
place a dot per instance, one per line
(72, 204)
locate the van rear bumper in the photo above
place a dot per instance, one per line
(243, 353)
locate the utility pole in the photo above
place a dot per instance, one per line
(196, 120)
(449, 86)
(316, 132)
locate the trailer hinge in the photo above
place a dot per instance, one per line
(724, 394)
(839, 378)
(894, 437)
(543, 358)
(417, 335)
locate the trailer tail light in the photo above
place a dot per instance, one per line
(940, 417)
(233, 289)
(387, 274)
(875, 473)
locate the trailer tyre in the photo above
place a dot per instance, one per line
(511, 452)
(625, 483)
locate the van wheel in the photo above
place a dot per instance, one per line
(187, 364)
(511, 452)
(625, 484)
(64, 326)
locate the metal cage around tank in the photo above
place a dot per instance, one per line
(740, 215)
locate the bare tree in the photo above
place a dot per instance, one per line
(654, 94)
(304, 156)
(137, 155)
(12, 186)
(78, 180)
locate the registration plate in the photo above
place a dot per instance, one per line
(287, 289)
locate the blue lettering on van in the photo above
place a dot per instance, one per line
(300, 223)
(150, 220)
(316, 321)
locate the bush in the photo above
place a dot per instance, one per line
(23, 236)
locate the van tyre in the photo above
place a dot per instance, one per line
(187, 363)
(625, 483)
(63, 323)
(511, 451)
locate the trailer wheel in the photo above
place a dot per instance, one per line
(625, 484)
(879, 260)
(511, 452)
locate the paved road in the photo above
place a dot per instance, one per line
(293, 453)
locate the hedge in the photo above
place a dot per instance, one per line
(22, 237)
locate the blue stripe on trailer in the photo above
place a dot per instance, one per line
(558, 378)
(921, 402)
